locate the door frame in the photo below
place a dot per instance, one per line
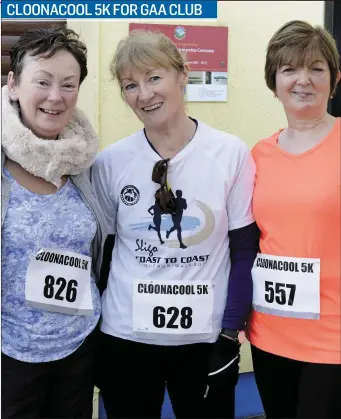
(332, 22)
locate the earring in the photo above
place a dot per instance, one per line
(11, 95)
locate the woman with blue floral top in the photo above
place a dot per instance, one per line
(51, 231)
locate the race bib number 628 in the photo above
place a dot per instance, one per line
(172, 307)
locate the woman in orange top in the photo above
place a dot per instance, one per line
(294, 328)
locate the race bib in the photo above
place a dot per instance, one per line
(172, 307)
(58, 280)
(286, 286)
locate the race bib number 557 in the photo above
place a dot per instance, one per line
(286, 286)
(58, 280)
(172, 307)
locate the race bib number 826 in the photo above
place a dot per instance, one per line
(54, 288)
(59, 280)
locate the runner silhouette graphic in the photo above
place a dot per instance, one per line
(155, 212)
(181, 205)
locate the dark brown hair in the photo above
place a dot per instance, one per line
(296, 43)
(45, 43)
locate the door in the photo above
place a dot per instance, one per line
(333, 24)
(10, 32)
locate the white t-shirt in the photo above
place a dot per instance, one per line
(213, 180)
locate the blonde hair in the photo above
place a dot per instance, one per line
(297, 43)
(143, 50)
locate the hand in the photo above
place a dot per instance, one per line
(219, 397)
(241, 336)
(224, 361)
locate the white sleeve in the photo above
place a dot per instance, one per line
(239, 200)
(103, 186)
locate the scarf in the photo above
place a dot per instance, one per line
(71, 154)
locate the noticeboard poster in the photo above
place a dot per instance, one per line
(206, 52)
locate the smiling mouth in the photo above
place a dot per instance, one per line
(152, 107)
(302, 94)
(50, 111)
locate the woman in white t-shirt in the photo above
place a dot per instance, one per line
(177, 197)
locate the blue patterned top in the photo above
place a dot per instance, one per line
(33, 221)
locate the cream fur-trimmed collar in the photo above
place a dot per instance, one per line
(73, 152)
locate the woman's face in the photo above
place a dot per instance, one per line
(47, 92)
(304, 91)
(156, 96)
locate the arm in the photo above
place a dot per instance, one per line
(103, 183)
(101, 173)
(105, 268)
(243, 237)
(225, 357)
(244, 244)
